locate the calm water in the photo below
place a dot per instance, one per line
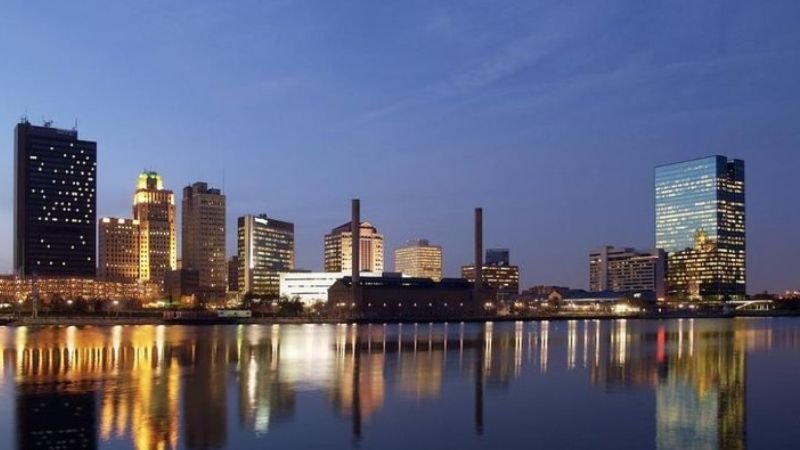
(712, 384)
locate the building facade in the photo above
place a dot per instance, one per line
(20, 289)
(394, 297)
(203, 236)
(498, 275)
(419, 259)
(55, 182)
(503, 279)
(118, 249)
(233, 274)
(154, 208)
(700, 223)
(626, 269)
(338, 249)
(311, 287)
(266, 248)
(182, 287)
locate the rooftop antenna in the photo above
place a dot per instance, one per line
(223, 180)
(75, 128)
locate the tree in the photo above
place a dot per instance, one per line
(248, 299)
(290, 307)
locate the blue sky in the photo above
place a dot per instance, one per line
(549, 114)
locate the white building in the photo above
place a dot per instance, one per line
(312, 287)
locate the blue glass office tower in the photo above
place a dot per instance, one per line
(700, 223)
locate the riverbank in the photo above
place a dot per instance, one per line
(54, 320)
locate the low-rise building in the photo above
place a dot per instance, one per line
(398, 298)
(312, 287)
(13, 288)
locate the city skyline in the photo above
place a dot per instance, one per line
(546, 177)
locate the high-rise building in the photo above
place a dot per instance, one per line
(55, 178)
(203, 237)
(419, 259)
(266, 248)
(233, 274)
(498, 257)
(338, 249)
(700, 223)
(154, 208)
(627, 269)
(118, 249)
(499, 275)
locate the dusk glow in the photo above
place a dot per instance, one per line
(549, 115)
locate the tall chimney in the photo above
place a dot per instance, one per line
(478, 249)
(355, 232)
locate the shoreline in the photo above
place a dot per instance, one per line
(49, 321)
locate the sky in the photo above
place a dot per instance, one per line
(551, 115)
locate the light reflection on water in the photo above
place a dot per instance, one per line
(606, 384)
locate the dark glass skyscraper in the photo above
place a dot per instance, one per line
(55, 178)
(700, 223)
(266, 248)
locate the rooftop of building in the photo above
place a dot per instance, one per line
(149, 180)
(265, 220)
(418, 242)
(48, 128)
(698, 159)
(345, 227)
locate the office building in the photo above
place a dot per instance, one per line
(626, 269)
(498, 274)
(182, 287)
(233, 274)
(312, 287)
(700, 223)
(338, 251)
(266, 248)
(154, 208)
(118, 249)
(419, 259)
(503, 279)
(19, 289)
(203, 236)
(55, 199)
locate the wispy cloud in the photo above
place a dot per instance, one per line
(546, 35)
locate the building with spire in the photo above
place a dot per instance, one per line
(154, 208)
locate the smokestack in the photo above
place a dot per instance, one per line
(355, 232)
(478, 249)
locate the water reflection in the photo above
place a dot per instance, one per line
(157, 387)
